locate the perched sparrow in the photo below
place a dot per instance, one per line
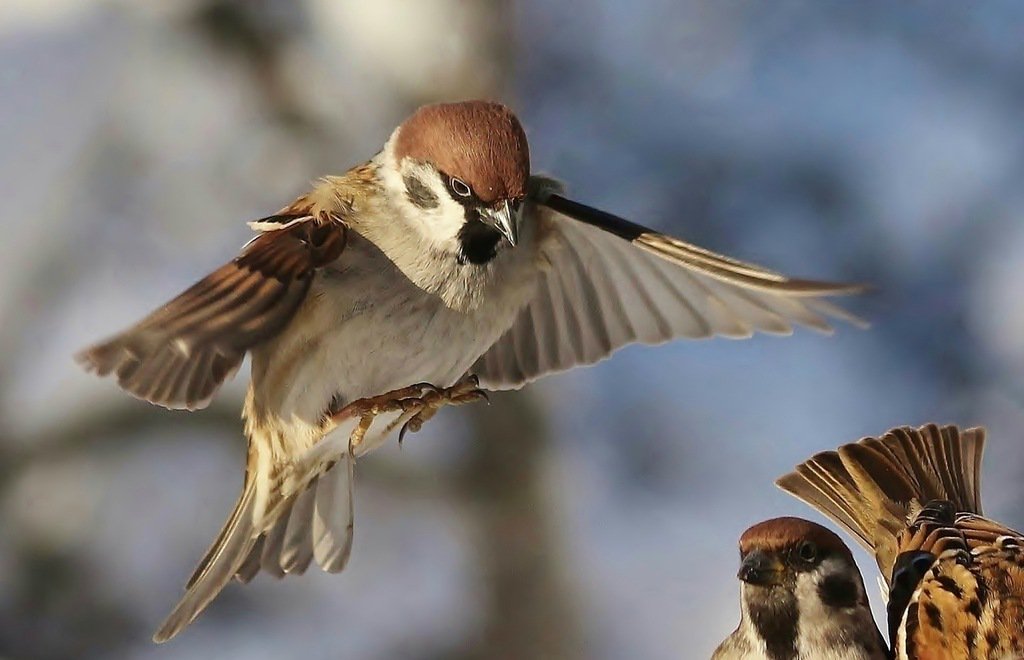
(802, 598)
(440, 258)
(955, 579)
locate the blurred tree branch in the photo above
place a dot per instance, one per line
(531, 612)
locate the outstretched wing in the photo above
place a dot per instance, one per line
(179, 355)
(612, 282)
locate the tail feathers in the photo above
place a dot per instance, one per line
(297, 545)
(314, 524)
(873, 486)
(334, 517)
(216, 569)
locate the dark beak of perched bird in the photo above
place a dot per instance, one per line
(760, 569)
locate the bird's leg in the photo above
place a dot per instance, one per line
(464, 391)
(416, 403)
(366, 410)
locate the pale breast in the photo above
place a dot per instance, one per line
(366, 329)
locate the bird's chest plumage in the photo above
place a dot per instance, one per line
(368, 328)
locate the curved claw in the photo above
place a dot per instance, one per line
(471, 397)
(426, 387)
(413, 425)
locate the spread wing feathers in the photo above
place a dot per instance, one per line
(601, 292)
(696, 258)
(874, 486)
(314, 524)
(180, 354)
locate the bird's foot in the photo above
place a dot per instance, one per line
(417, 404)
(465, 391)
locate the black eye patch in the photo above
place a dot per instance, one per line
(418, 193)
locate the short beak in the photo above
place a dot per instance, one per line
(760, 569)
(504, 218)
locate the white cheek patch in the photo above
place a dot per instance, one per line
(829, 588)
(439, 224)
(830, 600)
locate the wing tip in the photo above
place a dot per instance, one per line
(162, 635)
(803, 288)
(99, 358)
(172, 626)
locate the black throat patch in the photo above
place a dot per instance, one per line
(775, 621)
(478, 243)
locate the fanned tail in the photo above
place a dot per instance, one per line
(872, 486)
(314, 524)
(221, 562)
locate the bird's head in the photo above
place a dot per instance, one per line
(800, 579)
(460, 172)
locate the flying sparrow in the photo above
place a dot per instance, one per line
(955, 579)
(801, 598)
(441, 261)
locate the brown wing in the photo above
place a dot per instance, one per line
(180, 354)
(970, 602)
(873, 486)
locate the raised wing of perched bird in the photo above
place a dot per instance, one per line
(439, 258)
(912, 497)
(801, 598)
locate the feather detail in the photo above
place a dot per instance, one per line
(955, 580)
(693, 257)
(332, 531)
(872, 487)
(277, 222)
(614, 283)
(222, 561)
(179, 355)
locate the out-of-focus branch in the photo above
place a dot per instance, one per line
(530, 610)
(102, 428)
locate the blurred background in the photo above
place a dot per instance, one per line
(594, 514)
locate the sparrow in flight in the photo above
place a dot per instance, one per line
(441, 262)
(801, 598)
(955, 579)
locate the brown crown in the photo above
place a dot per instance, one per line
(480, 142)
(780, 534)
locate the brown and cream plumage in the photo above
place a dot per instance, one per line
(912, 497)
(439, 258)
(802, 598)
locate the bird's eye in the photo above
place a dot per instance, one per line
(808, 552)
(460, 187)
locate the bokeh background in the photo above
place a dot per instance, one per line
(595, 514)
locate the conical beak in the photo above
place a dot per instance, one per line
(504, 218)
(761, 569)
